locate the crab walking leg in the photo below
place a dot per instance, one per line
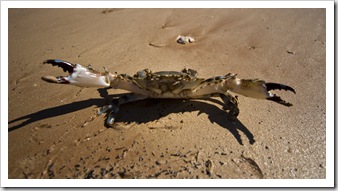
(253, 88)
(113, 109)
(230, 104)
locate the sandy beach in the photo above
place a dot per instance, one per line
(54, 131)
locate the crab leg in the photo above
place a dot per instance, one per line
(78, 75)
(113, 108)
(253, 88)
(230, 104)
(85, 76)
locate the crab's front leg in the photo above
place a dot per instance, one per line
(253, 88)
(86, 76)
(83, 76)
(259, 89)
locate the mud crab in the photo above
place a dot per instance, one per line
(166, 84)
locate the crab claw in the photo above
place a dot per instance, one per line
(274, 97)
(66, 66)
(259, 89)
(78, 75)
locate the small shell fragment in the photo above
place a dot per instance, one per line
(184, 39)
(290, 52)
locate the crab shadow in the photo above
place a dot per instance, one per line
(148, 110)
(145, 111)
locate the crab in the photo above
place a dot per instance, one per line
(166, 84)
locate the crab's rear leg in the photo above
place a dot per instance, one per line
(113, 108)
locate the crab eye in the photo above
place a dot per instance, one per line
(141, 74)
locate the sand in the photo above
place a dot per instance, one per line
(54, 131)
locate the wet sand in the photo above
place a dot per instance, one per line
(54, 131)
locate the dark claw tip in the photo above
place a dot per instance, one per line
(275, 86)
(66, 66)
(277, 99)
